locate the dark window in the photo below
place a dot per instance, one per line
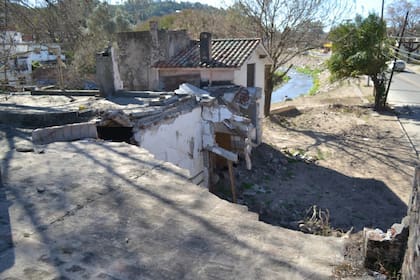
(250, 75)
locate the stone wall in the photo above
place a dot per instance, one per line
(138, 51)
(105, 73)
(411, 265)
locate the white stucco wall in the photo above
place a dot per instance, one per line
(240, 75)
(206, 74)
(217, 74)
(168, 72)
(118, 83)
(178, 141)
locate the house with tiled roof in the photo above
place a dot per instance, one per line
(240, 61)
(164, 59)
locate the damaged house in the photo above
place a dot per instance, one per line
(196, 104)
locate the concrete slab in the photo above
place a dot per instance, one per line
(101, 210)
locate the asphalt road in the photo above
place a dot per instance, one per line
(405, 89)
(404, 95)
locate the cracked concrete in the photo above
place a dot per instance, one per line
(102, 210)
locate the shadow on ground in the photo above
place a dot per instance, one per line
(6, 241)
(408, 112)
(8, 138)
(282, 190)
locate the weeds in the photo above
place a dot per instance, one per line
(247, 186)
(322, 155)
(317, 221)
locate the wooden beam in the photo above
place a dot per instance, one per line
(232, 181)
(224, 153)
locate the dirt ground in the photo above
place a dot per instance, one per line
(333, 152)
(329, 165)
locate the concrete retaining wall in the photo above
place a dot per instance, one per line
(68, 132)
(35, 120)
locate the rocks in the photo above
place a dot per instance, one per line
(24, 147)
(384, 251)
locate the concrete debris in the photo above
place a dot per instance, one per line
(385, 250)
(179, 127)
(288, 111)
(24, 147)
(163, 100)
(115, 118)
(201, 95)
(186, 89)
(223, 153)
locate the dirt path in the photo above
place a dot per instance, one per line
(332, 151)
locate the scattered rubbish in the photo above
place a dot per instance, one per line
(379, 276)
(300, 155)
(384, 251)
(115, 118)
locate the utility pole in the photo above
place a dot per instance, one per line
(382, 10)
(6, 57)
(395, 57)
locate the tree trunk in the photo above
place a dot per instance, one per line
(269, 85)
(379, 92)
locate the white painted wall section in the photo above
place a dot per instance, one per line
(118, 83)
(240, 75)
(178, 141)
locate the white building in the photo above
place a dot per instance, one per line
(22, 54)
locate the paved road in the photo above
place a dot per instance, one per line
(404, 95)
(405, 89)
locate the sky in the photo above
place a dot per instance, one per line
(362, 7)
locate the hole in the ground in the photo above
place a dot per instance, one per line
(117, 134)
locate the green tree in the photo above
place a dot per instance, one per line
(360, 47)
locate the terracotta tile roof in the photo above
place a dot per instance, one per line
(226, 53)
